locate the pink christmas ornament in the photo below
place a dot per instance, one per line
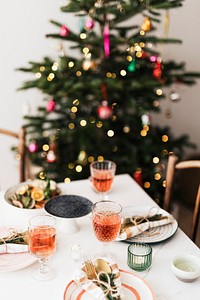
(89, 24)
(106, 36)
(50, 105)
(104, 111)
(64, 31)
(153, 58)
(32, 147)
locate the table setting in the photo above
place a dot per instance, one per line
(94, 239)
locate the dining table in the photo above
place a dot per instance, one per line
(19, 284)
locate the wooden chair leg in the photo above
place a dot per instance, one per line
(22, 154)
(195, 220)
(169, 181)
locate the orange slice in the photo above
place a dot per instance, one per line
(39, 204)
(37, 194)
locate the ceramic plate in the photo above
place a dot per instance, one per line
(134, 288)
(13, 262)
(68, 206)
(156, 234)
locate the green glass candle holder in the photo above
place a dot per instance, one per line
(139, 256)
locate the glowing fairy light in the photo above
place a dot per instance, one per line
(45, 147)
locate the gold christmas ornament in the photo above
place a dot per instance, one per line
(146, 25)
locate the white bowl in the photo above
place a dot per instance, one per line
(186, 267)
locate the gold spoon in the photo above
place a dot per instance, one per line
(102, 266)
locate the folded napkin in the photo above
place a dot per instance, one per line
(132, 226)
(13, 241)
(99, 288)
(13, 248)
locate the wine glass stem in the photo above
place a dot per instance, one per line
(43, 265)
(103, 196)
(105, 249)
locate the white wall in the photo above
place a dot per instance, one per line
(23, 25)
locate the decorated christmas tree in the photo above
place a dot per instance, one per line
(97, 104)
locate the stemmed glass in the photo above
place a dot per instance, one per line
(106, 220)
(102, 175)
(42, 244)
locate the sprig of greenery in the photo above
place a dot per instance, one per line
(104, 278)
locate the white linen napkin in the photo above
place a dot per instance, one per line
(13, 248)
(136, 229)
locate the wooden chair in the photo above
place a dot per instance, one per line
(21, 149)
(172, 166)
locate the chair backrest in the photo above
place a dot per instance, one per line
(172, 166)
(21, 136)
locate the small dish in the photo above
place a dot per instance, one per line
(66, 209)
(186, 267)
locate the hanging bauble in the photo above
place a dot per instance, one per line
(145, 119)
(132, 66)
(174, 96)
(144, 54)
(106, 36)
(153, 58)
(89, 24)
(82, 157)
(64, 31)
(33, 147)
(104, 111)
(51, 157)
(146, 25)
(157, 72)
(50, 105)
(137, 175)
(88, 63)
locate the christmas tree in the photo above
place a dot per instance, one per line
(97, 104)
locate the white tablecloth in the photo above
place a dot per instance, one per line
(20, 285)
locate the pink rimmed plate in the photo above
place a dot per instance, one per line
(134, 288)
(13, 262)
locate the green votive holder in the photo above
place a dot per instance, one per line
(139, 256)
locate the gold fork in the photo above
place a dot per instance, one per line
(90, 269)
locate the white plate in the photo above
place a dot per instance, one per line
(13, 262)
(156, 234)
(134, 287)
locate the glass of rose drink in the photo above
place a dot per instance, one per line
(102, 175)
(106, 221)
(42, 244)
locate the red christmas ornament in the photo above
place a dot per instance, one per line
(157, 72)
(144, 54)
(32, 147)
(89, 24)
(137, 175)
(104, 111)
(50, 105)
(64, 31)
